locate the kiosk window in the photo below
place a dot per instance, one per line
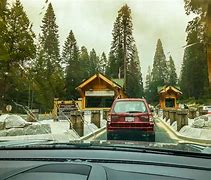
(170, 102)
(99, 101)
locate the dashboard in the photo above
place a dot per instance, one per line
(87, 164)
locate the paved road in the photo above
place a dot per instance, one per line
(161, 134)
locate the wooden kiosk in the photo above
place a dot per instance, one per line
(168, 97)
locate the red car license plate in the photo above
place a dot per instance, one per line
(129, 119)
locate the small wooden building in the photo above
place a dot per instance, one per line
(98, 92)
(168, 97)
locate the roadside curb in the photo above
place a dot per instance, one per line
(179, 136)
(88, 136)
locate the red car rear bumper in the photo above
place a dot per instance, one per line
(145, 127)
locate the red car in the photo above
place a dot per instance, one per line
(130, 119)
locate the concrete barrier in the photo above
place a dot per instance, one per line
(185, 138)
(182, 118)
(95, 118)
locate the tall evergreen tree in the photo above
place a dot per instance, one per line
(50, 38)
(159, 71)
(52, 71)
(148, 93)
(73, 71)
(122, 42)
(3, 50)
(194, 80)
(18, 49)
(116, 56)
(84, 61)
(172, 75)
(134, 78)
(101, 66)
(123, 55)
(93, 61)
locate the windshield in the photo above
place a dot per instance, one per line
(128, 106)
(69, 68)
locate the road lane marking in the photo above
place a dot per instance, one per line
(162, 126)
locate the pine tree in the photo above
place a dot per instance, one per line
(122, 38)
(73, 71)
(172, 75)
(159, 71)
(194, 72)
(123, 45)
(17, 40)
(50, 38)
(101, 66)
(194, 79)
(93, 61)
(115, 60)
(148, 93)
(53, 76)
(85, 64)
(134, 76)
(70, 50)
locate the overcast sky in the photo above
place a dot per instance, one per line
(92, 23)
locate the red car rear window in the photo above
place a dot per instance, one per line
(129, 107)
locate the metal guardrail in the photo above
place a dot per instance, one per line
(93, 134)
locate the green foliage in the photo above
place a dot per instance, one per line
(84, 62)
(73, 71)
(148, 84)
(48, 77)
(172, 75)
(159, 75)
(194, 74)
(102, 64)
(93, 62)
(159, 71)
(17, 50)
(134, 77)
(123, 45)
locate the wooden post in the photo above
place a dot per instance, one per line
(77, 123)
(172, 114)
(204, 112)
(167, 115)
(105, 114)
(182, 118)
(95, 118)
(164, 114)
(200, 109)
(192, 113)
